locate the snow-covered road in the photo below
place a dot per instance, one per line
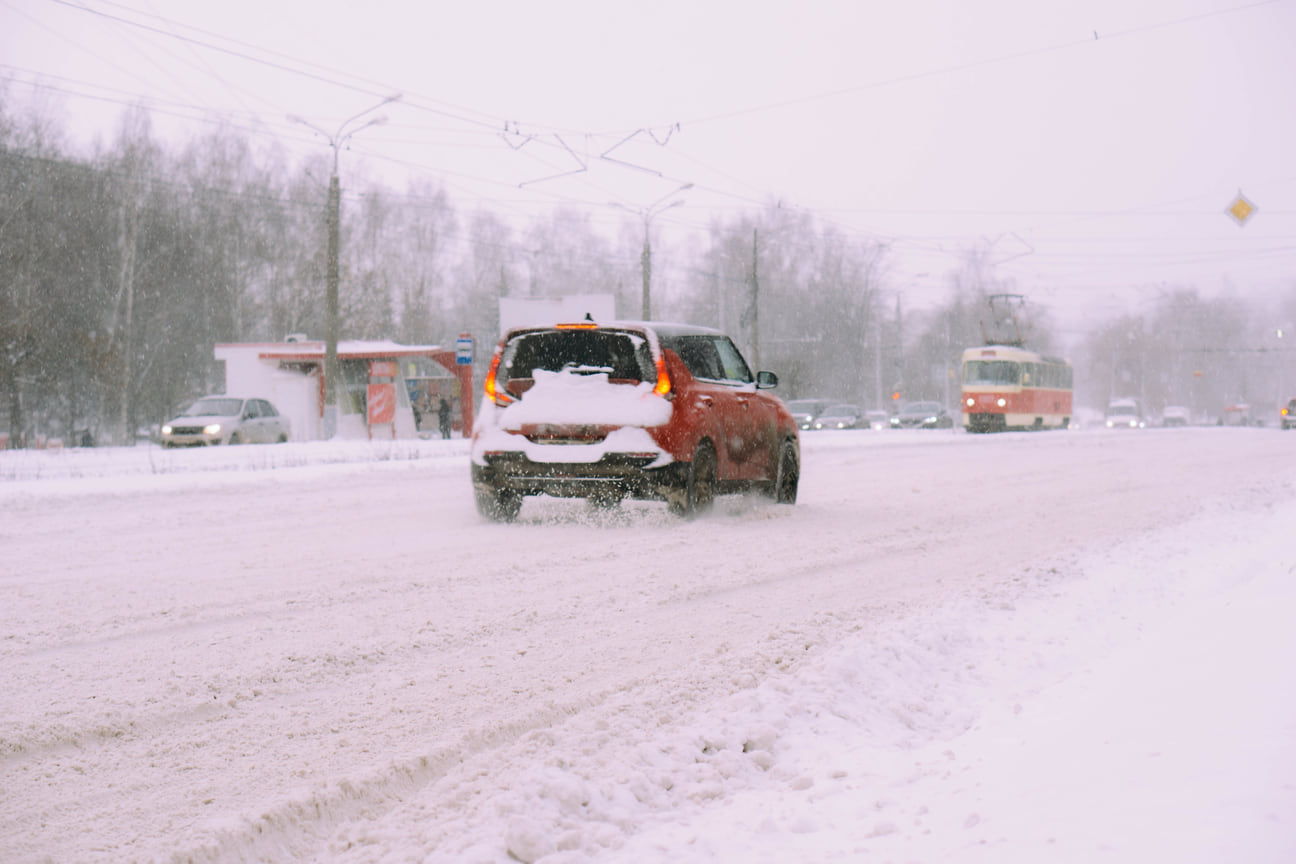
(320, 652)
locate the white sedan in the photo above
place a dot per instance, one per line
(226, 420)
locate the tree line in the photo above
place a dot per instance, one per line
(120, 271)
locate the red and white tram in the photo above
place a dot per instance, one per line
(1006, 387)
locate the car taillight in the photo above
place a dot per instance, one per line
(499, 397)
(663, 386)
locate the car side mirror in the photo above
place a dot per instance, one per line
(766, 380)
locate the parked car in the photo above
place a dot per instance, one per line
(1174, 415)
(804, 411)
(651, 411)
(226, 420)
(1288, 415)
(877, 419)
(922, 415)
(1124, 414)
(840, 416)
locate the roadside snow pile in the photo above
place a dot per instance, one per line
(1139, 705)
(151, 460)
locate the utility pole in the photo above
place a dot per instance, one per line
(880, 403)
(755, 307)
(899, 357)
(334, 218)
(645, 257)
(129, 234)
(645, 267)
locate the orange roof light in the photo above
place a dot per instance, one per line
(578, 325)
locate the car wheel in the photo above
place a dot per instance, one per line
(499, 505)
(787, 475)
(236, 438)
(700, 486)
(283, 439)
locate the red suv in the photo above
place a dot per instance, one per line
(666, 412)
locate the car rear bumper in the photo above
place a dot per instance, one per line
(615, 474)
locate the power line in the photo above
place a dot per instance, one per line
(973, 64)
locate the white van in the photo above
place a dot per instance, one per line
(1124, 414)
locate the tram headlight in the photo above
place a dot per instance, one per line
(1002, 403)
(971, 403)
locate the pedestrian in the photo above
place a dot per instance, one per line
(443, 415)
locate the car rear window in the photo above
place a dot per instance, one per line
(621, 355)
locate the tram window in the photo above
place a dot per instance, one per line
(990, 372)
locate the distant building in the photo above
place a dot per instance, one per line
(381, 384)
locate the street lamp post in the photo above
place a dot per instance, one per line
(645, 258)
(336, 140)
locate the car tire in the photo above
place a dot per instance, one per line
(787, 475)
(499, 505)
(236, 438)
(700, 484)
(283, 439)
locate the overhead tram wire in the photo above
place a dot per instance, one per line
(492, 125)
(323, 74)
(1086, 40)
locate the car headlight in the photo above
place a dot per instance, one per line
(166, 430)
(212, 429)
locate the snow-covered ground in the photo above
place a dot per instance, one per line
(1062, 647)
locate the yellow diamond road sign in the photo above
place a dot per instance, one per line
(1241, 209)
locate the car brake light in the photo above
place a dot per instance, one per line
(499, 397)
(663, 380)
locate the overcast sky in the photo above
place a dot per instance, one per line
(1093, 147)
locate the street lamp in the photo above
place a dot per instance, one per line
(336, 140)
(645, 259)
